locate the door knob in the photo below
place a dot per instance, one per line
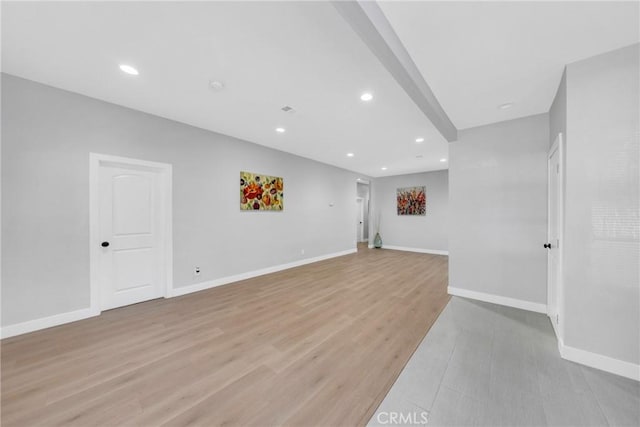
(547, 245)
(105, 244)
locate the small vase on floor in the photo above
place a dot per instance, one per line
(377, 241)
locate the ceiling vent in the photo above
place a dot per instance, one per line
(288, 109)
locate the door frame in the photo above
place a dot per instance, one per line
(558, 145)
(165, 174)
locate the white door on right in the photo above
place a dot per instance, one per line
(553, 239)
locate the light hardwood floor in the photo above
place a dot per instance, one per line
(315, 345)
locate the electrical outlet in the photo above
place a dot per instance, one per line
(196, 271)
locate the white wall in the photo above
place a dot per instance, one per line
(47, 136)
(429, 232)
(602, 225)
(498, 206)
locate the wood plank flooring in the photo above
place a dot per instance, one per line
(315, 345)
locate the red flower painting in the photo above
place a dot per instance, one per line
(261, 192)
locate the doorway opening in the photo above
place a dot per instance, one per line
(362, 211)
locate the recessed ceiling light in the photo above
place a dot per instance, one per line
(443, 160)
(280, 130)
(505, 106)
(366, 96)
(350, 154)
(419, 140)
(129, 69)
(384, 168)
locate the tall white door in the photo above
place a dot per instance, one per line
(360, 219)
(553, 238)
(131, 232)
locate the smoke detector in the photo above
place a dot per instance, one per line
(216, 85)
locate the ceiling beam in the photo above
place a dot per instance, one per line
(369, 22)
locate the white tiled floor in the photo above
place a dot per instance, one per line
(484, 364)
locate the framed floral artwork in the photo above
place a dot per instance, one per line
(412, 201)
(261, 192)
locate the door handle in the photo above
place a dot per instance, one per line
(547, 245)
(104, 244)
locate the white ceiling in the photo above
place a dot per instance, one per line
(474, 56)
(478, 55)
(267, 54)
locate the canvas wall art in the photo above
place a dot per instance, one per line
(261, 192)
(412, 201)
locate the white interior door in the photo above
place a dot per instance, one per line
(554, 262)
(131, 224)
(360, 219)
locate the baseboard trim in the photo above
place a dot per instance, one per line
(418, 250)
(497, 299)
(85, 313)
(599, 361)
(593, 360)
(46, 322)
(184, 290)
